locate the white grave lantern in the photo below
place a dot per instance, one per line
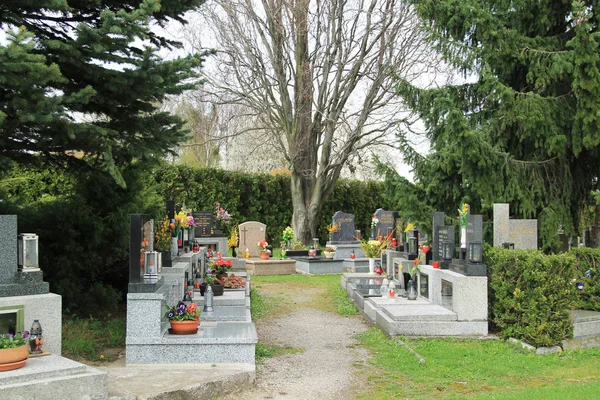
(28, 251)
(151, 266)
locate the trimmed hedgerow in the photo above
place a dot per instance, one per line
(530, 294)
(587, 265)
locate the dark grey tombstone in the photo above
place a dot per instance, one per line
(443, 234)
(387, 222)
(345, 223)
(474, 234)
(170, 209)
(438, 221)
(204, 222)
(141, 240)
(12, 281)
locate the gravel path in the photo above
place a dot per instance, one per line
(321, 364)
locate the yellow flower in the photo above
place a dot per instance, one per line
(409, 227)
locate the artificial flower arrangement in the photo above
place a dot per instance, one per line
(222, 214)
(234, 282)
(183, 312)
(264, 244)
(374, 221)
(409, 227)
(462, 215)
(416, 269)
(233, 237)
(179, 222)
(221, 265)
(162, 237)
(372, 248)
(333, 228)
(329, 249)
(288, 234)
(10, 341)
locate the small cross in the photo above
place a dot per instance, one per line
(244, 230)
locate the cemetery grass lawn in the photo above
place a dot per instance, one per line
(93, 339)
(478, 369)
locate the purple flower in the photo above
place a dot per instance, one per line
(26, 335)
(171, 314)
(10, 335)
(180, 312)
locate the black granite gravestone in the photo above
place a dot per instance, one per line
(345, 224)
(141, 240)
(204, 223)
(387, 222)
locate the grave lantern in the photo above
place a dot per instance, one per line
(316, 243)
(509, 246)
(151, 265)
(475, 252)
(208, 299)
(357, 234)
(28, 251)
(447, 251)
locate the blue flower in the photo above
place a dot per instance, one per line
(171, 314)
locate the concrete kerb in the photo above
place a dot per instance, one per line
(540, 351)
(178, 381)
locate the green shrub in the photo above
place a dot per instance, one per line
(587, 272)
(530, 294)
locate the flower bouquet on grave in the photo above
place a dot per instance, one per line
(288, 235)
(232, 242)
(221, 215)
(463, 211)
(372, 248)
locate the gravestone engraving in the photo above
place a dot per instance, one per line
(345, 224)
(250, 233)
(523, 233)
(444, 234)
(387, 222)
(204, 222)
(438, 222)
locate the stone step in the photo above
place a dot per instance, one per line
(188, 381)
(256, 266)
(319, 266)
(231, 313)
(53, 377)
(430, 328)
(418, 312)
(215, 342)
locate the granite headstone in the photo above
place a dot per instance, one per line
(204, 223)
(345, 224)
(250, 234)
(387, 222)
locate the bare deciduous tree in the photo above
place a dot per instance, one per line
(318, 78)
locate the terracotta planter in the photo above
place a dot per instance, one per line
(264, 255)
(13, 358)
(184, 327)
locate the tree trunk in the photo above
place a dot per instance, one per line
(307, 204)
(596, 229)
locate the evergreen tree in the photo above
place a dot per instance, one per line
(525, 129)
(81, 81)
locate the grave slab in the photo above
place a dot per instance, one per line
(356, 265)
(228, 313)
(230, 298)
(256, 266)
(418, 312)
(319, 266)
(53, 377)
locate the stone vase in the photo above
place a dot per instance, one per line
(371, 265)
(174, 247)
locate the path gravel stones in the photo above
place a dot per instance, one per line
(321, 364)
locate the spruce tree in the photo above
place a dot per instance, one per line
(523, 127)
(82, 81)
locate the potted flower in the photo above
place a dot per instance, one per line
(265, 252)
(13, 351)
(184, 319)
(329, 252)
(220, 267)
(215, 284)
(162, 243)
(331, 228)
(372, 250)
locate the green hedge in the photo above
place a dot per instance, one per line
(530, 293)
(82, 217)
